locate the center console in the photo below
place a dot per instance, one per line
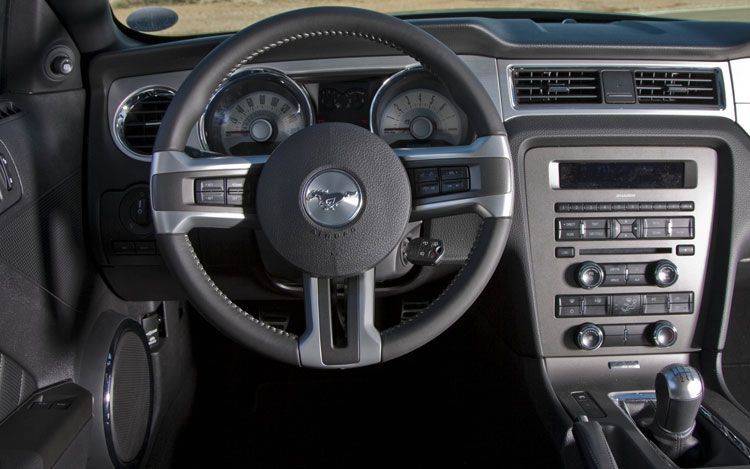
(619, 244)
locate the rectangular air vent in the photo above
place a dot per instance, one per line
(687, 87)
(556, 86)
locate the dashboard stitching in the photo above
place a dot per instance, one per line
(450, 285)
(226, 299)
(309, 35)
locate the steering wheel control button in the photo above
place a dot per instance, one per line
(663, 334)
(665, 274)
(589, 337)
(333, 198)
(590, 275)
(425, 251)
(210, 198)
(208, 185)
(430, 182)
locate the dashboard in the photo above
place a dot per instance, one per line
(621, 168)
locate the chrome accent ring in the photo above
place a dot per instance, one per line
(118, 122)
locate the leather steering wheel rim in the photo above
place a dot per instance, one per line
(282, 31)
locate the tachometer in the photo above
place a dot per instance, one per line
(423, 115)
(413, 108)
(255, 111)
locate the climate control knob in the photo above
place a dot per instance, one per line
(663, 334)
(589, 275)
(589, 336)
(665, 274)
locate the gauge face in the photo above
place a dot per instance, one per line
(253, 114)
(420, 115)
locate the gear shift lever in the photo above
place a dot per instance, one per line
(679, 393)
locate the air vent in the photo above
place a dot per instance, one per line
(556, 86)
(8, 109)
(138, 119)
(697, 88)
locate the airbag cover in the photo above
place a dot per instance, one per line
(334, 200)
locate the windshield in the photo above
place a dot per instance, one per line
(214, 16)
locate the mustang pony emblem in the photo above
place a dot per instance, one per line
(329, 200)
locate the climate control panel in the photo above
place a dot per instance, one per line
(630, 304)
(662, 273)
(590, 336)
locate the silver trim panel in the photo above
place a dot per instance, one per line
(509, 110)
(370, 347)
(182, 221)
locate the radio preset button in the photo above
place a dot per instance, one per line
(568, 224)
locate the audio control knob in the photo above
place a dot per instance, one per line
(590, 275)
(663, 334)
(589, 337)
(665, 274)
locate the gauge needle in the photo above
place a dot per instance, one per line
(396, 129)
(243, 132)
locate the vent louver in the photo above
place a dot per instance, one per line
(677, 87)
(138, 120)
(7, 109)
(556, 86)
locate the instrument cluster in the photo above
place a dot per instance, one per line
(255, 110)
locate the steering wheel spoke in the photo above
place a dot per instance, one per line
(474, 178)
(193, 189)
(340, 330)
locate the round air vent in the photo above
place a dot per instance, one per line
(138, 119)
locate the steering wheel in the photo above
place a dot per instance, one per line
(344, 240)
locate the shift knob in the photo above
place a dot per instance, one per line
(679, 393)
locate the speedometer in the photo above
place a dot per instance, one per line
(254, 112)
(413, 108)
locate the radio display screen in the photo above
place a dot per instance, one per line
(622, 175)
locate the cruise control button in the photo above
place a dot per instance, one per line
(235, 198)
(425, 174)
(210, 185)
(234, 184)
(459, 185)
(458, 172)
(427, 189)
(210, 198)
